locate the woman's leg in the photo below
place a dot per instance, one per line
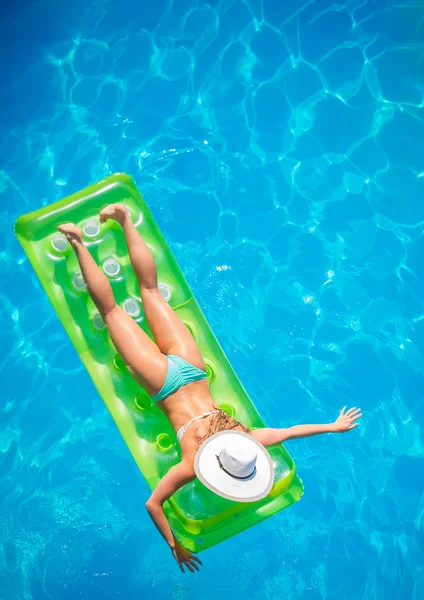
(170, 333)
(144, 359)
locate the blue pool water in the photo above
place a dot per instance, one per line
(279, 145)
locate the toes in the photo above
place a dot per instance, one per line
(65, 228)
(71, 232)
(107, 213)
(116, 212)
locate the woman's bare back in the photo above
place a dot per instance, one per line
(187, 402)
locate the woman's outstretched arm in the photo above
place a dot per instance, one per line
(344, 422)
(173, 480)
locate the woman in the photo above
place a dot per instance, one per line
(227, 457)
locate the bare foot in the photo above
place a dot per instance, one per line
(116, 212)
(72, 233)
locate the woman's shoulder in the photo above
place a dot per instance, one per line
(188, 449)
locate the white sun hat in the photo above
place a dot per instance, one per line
(234, 465)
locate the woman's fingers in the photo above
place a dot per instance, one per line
(353, 417)
(196, 559)
(193, 560)
(193, 564)
(354, 425)
(186, 560)
(189, 567)
(189, 561)
(343, 410)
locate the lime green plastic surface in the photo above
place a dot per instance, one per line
(198, 517)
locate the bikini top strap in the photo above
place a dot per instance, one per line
(184, 428)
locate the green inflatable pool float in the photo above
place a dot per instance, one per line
(198, 517)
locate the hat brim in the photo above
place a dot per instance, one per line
(208, 471)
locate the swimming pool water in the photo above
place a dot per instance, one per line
(279, 145)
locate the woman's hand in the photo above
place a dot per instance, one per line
(184, 557)
(346, 420)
